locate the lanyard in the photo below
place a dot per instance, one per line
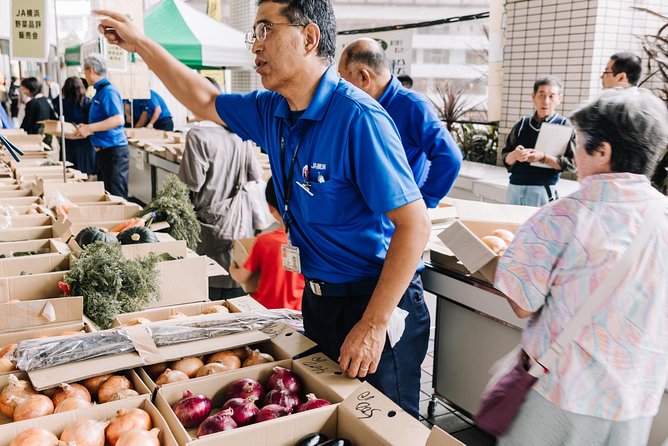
(287, 217)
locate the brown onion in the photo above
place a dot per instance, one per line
(216, 309)
(15, 391)
(138, 321)
(126, 420)
(6, 364)
(71, 404)
(93, 384)
(212, 369)
(123, 394)
(231, 362)
(256, 357)
(242, 352)
(112, 386)
(70, 391)
(138, 437)
(7, 350)
(32, 407)
(85, 432)
(35, 436)
(216, 357)
(171, 376)
(177, 315)
(154, 370)
(189, 366)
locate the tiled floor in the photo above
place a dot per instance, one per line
(447, 418)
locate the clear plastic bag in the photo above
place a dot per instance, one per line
(60, 204)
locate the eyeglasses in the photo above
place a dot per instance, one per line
(606, 72)
(260, 32)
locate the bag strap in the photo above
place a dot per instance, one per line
(583, 317)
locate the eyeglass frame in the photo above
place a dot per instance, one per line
(252, 36)
(607, 72)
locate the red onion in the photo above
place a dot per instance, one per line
(271, 411)
(243, 388)
(281, 396)
(222, 421)
(191, 410)
(290, 380)
(244, 409)
(312, 403)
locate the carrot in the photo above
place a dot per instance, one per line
(129, 223)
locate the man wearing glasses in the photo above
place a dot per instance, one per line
(622, 71)
(356, 221)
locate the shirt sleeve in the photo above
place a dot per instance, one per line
(243, 114)
(379, 158)
(113, 104)
(511, 143)
(566, 161)
(526, 270)
(442, 151)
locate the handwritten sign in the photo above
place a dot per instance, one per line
(29, 30)
(318, 364)
(364, 406)
(398, 46)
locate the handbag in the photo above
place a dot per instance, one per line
(504, 396)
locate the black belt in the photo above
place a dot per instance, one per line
(324, 289)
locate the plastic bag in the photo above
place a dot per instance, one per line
(5, 217)
(60, 204)
(262, 218)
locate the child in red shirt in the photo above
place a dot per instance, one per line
(277, 288)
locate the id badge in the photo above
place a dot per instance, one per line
(290, 256)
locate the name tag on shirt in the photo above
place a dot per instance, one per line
(290, 257)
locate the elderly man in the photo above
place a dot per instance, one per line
(356, 221)
(623, 70)
(105, 128)
(432, 153)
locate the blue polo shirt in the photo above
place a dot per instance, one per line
(157, 100)
(107, 102)
(138, 107)
(351, 156)
(433, 154)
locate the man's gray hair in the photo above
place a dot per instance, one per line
(633, 121)
(97, 63)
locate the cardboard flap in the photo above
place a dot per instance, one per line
(459, 239)
(438, 437)
(103, 212)
(328, 372)
(291, 342)
(441, 213)
(241, 249)
(25, 314)
(33, 264)
(502, 213)
(244, 303)
(49, 189)
(37, 286)
(176, 248)
(369, 417)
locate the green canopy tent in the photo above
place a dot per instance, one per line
(194, 38)
(73, 56)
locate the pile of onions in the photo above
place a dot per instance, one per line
(191, 410)
(6, 364)
(85, 432)
(93, 384)
(256, 357)
(126, 420)
(171, 376)
(35, 436)
(312, 403)
(222, 421)
(110, 387)
(155, 370)
(244, 410)
(189, 366)
(71, 404)
(123, 394)
(138, 437)
(211, 369)
(70, 391)
(282, 396)
(243, 388)
(33, 406)
(15, 391)
(228, 357)
(290, 380)
(271, 411)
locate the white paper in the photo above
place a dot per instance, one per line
(397, 325)
(552, 140)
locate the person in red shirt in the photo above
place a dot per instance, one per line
(277, 288)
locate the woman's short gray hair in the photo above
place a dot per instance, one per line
(633, 121)
(97, 63)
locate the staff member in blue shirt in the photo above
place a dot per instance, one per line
(432, 153)
(159, 116)
(105, 128)
(356, 221)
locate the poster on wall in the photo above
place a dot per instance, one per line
(116, 57)
(398, 46)
(29, 25)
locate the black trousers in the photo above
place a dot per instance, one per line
(164, 124)
(113, 164)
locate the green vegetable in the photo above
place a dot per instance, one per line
(111, 284)
(173, 205)
(166, 257)
(137, 234)
(93, 234)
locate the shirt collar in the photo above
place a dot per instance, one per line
(548, 119)
(392, 87)
(615, 187)
(100, 83)
(320, 101)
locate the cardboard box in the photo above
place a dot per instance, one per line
(4, 193)
(281, 347)
(52, 127)
(318, 374)
(28, 233)
(40, 246)
(79, 370)
(56, 423)
(443, 212)
(240, 251)
(20, 201)
(27, 314)
(37, 264)
(36, 286)
(30, 220)
(235, 305)
(88, 212)
(72, 191)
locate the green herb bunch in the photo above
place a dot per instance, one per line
(111, 284)
(173, 205)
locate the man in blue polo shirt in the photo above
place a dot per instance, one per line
(432, 153)
(356, 221)
(105, 128)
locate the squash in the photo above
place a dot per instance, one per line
(138, 234)
(93, 234)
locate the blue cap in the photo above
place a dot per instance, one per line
(48, 78)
